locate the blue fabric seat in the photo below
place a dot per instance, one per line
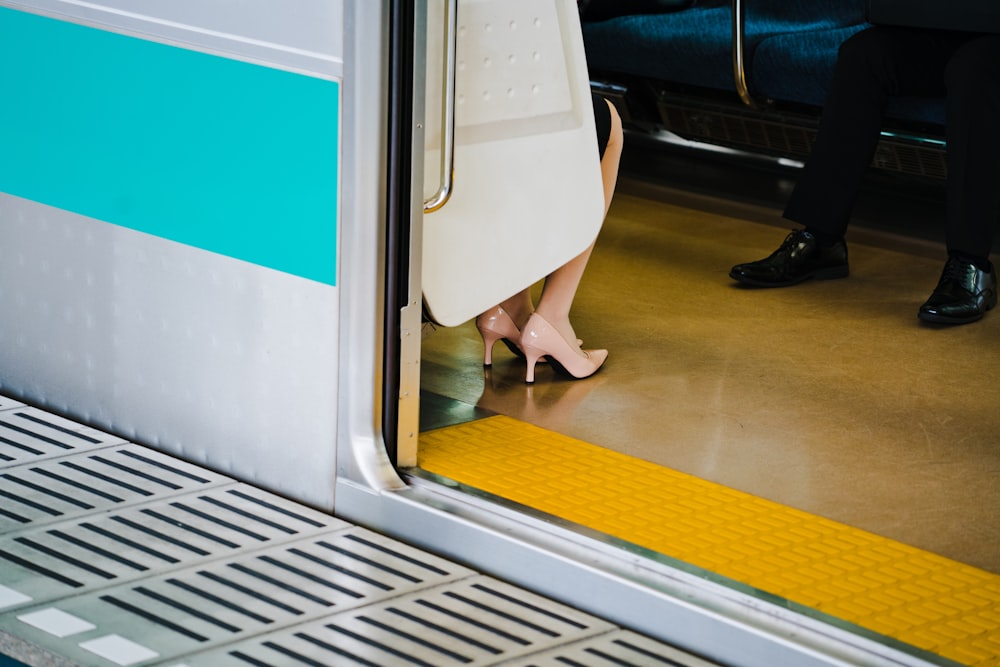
(690, 47)
(790, 49)
(798, 67)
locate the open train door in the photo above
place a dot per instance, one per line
(505, 153)
(508, 98)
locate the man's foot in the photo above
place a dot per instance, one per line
(964, 294)
(799, 258)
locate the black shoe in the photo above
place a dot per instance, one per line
(799, 258)
(964, 294)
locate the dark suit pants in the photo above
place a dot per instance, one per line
(881, 62)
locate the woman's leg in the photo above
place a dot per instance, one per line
(519, 307)
(561, 285)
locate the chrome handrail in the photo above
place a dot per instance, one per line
(447, 176)
(739, 59)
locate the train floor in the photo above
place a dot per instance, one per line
(829, 399)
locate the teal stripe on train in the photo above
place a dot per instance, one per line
(228, 156)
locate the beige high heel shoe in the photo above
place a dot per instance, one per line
(540, 339)
(493, 325)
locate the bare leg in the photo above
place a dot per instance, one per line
(519, 307)
(561, 285)
(612, 157)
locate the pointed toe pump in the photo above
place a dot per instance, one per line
(493, 325)
(540, 339)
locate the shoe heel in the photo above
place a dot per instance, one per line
(532, 358)
(489, 340)
(831, 273)
(493, 325)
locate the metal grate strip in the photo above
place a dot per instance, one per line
(30, 435)
(9, 403)
(474, 621)
(616, 649)
(50, 561)
(114, 554)
(233, 598)
(56, 490)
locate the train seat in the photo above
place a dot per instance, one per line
(693, 45)
(664, 63)
(797, 67)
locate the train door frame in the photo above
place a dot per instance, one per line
(642, 591)
(401, 361)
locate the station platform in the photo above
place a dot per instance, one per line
(115, 554)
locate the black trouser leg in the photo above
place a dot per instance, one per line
(973, 135)
(872, 65)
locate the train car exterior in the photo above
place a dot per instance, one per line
(171, 215)
(213, 241)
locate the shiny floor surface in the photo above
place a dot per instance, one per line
(114, 554)
(783, 558)
(829, 397)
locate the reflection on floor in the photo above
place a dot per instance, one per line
(829, 397)
(815, 567)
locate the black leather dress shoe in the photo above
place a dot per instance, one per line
(964, 294)
(799, 258)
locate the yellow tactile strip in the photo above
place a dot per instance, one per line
(918, 598)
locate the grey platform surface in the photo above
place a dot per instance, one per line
(116, 554)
